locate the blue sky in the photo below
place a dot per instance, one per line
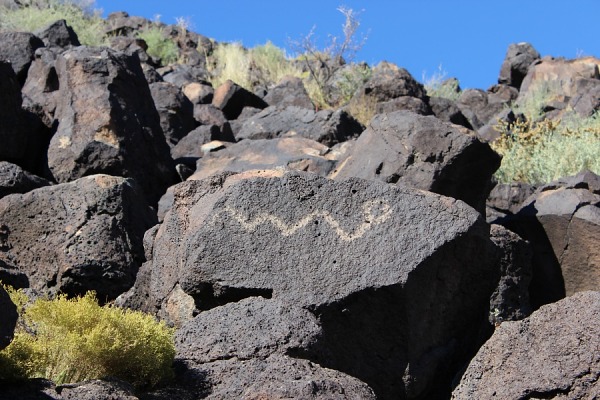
(467, 38)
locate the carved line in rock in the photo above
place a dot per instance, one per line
(375, 212)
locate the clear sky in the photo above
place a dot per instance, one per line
(467, 38)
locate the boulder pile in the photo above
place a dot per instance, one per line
(298, 253)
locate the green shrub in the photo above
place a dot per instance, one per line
(438, 85)
(270, 64)
(79, 14)
(71, 340)
(160, 47)
(540, 152)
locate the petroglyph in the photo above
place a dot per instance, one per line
(375, 212)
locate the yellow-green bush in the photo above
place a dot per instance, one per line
(71, 340)
(160, 47)
(540, 152)
(79, 14)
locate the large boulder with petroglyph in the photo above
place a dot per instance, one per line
(400, 279)
(553, 354)
(423, 152)
(107, 122)
(74, 237)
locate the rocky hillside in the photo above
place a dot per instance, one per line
(357, 248)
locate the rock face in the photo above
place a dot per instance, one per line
(397, 278)
(231, 99)
(14, 141)
(423, 152)
(519, 57)
(289, 92)
(447, 110)
(175, 110)
(107, 122)
(326, 126)
(552, 354)
(562, 221)
(295, 153)
(18, 49)
(510, 300)
(8, 318)
(13, 179)
(59, 34)
(75, 237)
(390, 82)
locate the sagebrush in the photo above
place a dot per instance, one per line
(72, 340)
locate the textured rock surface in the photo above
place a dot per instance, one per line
(108, 122)
(510, 300)
(519, 57)
(75, 237)
(326, 126)
(18, 48)
(231, 99)
(176, 111)
(562, 221)
(97, 390)
(8, 318)
(252, 328)
(289, 91)
(13, 179)
(447, 111)
(294, 153)
(423, 152)
(58, 34)
(553, 354)
(388, 82)
(370, 260)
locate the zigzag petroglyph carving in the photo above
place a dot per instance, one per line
(375, 212)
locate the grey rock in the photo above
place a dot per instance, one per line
(399, 279)
(389, 81)
(175, 110)
(97, 390)
(413, 104)
(277, 377)
(199, 92)
(326, 126)
(446, 110)
(519, 57)
(18, 48)
(562, 222)
(58, 34)
(232, 98)
(13, 179)
(251, 328)
(479, 107)
(41, 86)
(289, 91)
(295, 153)
(75, 237)
(108, 122)
(423, 152)
(552, 354)
(191, 145)
(510, 300)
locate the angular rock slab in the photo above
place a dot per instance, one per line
(325, 126)
(423, 152)
(562, 221)
(75, 237)
(555, 353)
(13, 179)
(277, 377)
(108, 122)
(398, 278)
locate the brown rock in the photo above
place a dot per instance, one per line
(555, 353)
